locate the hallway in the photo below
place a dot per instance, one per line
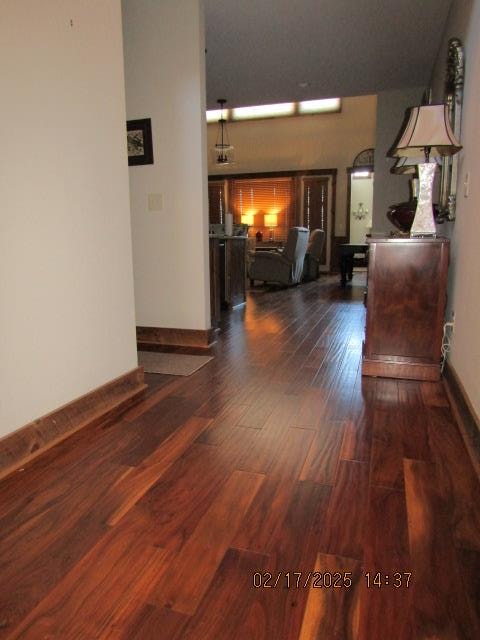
(272, 494)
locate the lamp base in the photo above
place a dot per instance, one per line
(424, 223)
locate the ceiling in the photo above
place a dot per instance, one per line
(261, 51)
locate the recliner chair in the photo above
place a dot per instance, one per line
(283, 268)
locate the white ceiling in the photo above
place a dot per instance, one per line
(258, 51)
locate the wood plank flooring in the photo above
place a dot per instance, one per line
(274, 494)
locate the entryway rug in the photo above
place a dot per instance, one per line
(172, 364)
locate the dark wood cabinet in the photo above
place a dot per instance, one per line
(406, 298)
(227, 274)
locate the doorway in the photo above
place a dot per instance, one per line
(359, 204)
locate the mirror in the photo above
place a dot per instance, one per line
(453, 98)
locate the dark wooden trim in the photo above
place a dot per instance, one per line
(464, 413)
(25, 444)
(334, 216)
(176, 337)
(275, 174)
(349, 203)
(403, 370)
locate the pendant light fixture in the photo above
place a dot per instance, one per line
(223, 148)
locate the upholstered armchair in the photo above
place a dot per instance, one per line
(313, 255)
(286, 267)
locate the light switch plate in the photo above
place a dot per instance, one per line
(155, 201)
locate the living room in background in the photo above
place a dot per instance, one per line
(263, 197)
(297, 198)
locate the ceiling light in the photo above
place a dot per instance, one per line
(264, 111)
(213, 115)
(223, 148)
(327, 105)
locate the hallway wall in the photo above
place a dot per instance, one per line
(66, 286)
(464, 275)
(165, 81)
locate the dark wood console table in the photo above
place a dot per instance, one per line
(347, 252)
(406, 298)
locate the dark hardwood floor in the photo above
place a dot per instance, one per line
(250, 500)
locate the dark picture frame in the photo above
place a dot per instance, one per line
(139, 142)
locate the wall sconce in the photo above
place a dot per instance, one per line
(361, 212)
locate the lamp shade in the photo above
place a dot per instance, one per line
(426, 127)
(271, 219)
(247, 218)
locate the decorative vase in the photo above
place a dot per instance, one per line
(401, 215)
(259, 236)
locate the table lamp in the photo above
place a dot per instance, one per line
(427, 129)
(247, 218)
(271, 220)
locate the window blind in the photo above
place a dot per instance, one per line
(216, 202)
(315, 207)
(263, 196)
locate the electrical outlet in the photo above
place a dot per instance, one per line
(466, 185)
(451, 324)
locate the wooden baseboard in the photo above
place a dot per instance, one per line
(467, 420)
(176, 337)
(401, 370)
(25, 444)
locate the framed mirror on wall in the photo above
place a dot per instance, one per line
(453, 99)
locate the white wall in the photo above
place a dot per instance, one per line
(327, 141)
(464, 273)
(390, 188)
(165, 81)
(66, 287)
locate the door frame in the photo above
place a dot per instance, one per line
(350, 170)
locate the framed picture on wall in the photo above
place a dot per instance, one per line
(139, 141)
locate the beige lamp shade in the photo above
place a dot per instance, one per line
(271, 219)
(247, 218)
(427, 127)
